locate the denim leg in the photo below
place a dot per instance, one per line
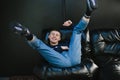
(53, 57)
(65, 59)
(75, 48)
(75, 42)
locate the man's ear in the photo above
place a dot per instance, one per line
(47, 36)
(60, 39)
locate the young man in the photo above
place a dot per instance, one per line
(54, 53)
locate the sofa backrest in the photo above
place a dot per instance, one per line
(105, 41)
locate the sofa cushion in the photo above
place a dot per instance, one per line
(105, 45)
(105, 41)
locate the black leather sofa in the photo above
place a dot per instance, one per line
(105, 46)
(99, 46)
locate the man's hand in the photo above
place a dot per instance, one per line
(67, 23)
(64, 47)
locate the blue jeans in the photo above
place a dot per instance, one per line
(66, 58)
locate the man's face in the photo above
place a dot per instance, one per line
(54, 37)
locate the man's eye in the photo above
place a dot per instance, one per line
(57, 35)
(52, 33)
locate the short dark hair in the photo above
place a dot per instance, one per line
(47, 31)
(65, 34)
(56, 29)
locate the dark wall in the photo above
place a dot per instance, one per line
(16, 57)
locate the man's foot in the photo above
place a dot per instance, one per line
(91, 6)
(17, 28)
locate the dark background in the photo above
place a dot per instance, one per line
(16, 57)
